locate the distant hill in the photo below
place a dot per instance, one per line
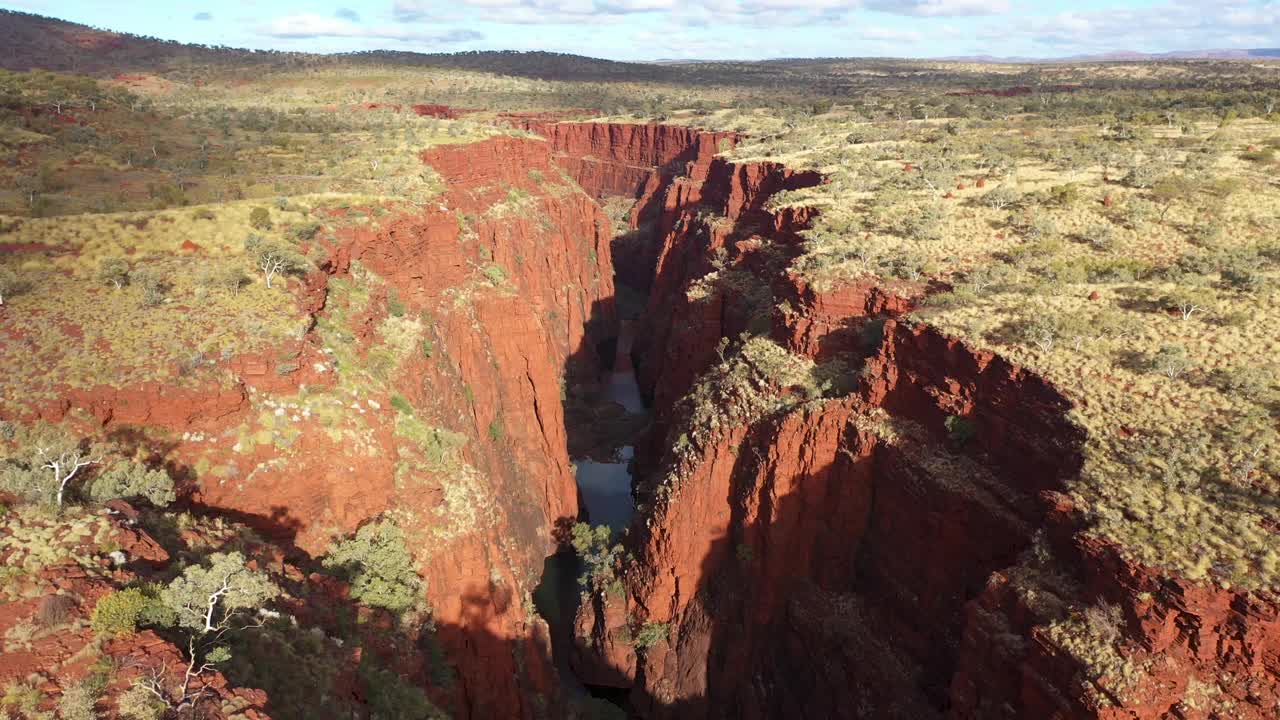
(1129, 56)
(34, 41)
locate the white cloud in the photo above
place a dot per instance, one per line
(310, 25)
(890, 35)
(1163, 26)
(940, 8)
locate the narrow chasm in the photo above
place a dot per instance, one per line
(792, 527)
(604, 417)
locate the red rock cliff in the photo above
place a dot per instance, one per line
(849, 557)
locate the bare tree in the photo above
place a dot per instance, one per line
(65, 465)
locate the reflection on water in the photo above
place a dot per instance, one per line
(606, 490)
(605, 487)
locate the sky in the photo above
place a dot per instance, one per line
(693, 29)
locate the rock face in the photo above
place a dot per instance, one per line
(861, 557)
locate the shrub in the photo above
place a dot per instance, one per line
(55, 610)
(203, 214)
(1262, 156)
(1253, 383)
(1100, 236)
(11, 284)
(1239, 273)
(114, 271)
(378, 566)
(120, 612)
(1041, 332)
(1145, 175)
(960, 429)
(595, 547)
(153, 286)
(1170, 361)
(1001, 198)
(1037, 226)
(77, 703)
(128, 480)
(390, 697)
(278, 259)
(1104, 622)
(1138, 212)
(260, 218)
(650, 634)
(139, 703)
(924, 222)
(304, 231)
(1207, 233)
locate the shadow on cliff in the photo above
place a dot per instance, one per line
(839, 586)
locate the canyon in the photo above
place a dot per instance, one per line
(897, 541)
(853, 555)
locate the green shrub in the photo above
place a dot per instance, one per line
(260, 218)
(401, 405)
(153, 286)
(1100, 236)
(114, 271)
(304, 231)
(395, 308)
(120, 612)
(960, 429)
(378, 566)
(390, 697)
(1170, 361)
(1262, 156)
(650, 634)
(924, 222)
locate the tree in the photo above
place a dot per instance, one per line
(45, 474)
(924, 221)
(1001, 197)
(1187, 301)
(1170, 361)
(1041, 332)
(114, 270)
(596, 548)
(1169, 190)
(275, 259)
(378, 566)
(212, 599)
(129, 480)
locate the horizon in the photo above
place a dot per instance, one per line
(713, 30)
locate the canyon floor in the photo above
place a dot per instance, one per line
(380, 387)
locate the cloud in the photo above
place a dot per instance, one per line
(312, 26)
(1170, 25)
(202, 16)
(940, 8)
(347, 14)
(890, 35)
